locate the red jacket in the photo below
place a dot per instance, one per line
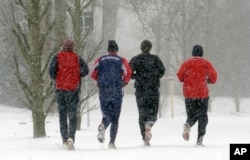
(68, 71)
(196, 73)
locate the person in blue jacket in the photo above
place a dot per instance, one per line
(112, 73)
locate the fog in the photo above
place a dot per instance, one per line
(220, 26)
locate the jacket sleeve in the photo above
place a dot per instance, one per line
(53, 67)
(126, 71)
(180, 74)
(161, 68)
(132, 66)
(94, 70)
(212, 74)
(84, 69)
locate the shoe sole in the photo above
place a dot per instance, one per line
(101, 140)
(199, 145)
(186, 136)
(100, 137)
(146, 143)
(71, 146)
(186, 133)
(112, 147)
(148, 134)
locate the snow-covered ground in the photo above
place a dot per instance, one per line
(225, 127)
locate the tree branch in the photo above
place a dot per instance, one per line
(84, 6)
(45, 10)
(23, 84)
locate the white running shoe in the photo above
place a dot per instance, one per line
(186, 130)
(101, 133)
(148, 134)
(112, 146)
(70, 144)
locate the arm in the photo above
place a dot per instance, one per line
(84, 69)
(180, 73)
(53, 67)
(94, 70)
(161, 68)
(126, 71)
(132, 66)
(212, 74)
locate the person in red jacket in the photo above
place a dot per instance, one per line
(66, 69)
(196, 73)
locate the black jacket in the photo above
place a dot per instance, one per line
(147, 69)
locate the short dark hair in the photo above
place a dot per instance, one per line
(68, 44)
(197, 51)
(146, 46)
(112, 46)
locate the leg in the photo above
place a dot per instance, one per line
(114, 129)
(62, 115)
(202, 119)
(141, 112)
(105, 107)
(116, 107)
(105, 114)
(191, 111)
(73, 99)
(152, 107)
(191, 117)
(105, 121)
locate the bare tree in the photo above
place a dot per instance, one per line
(174, 26)
(110, 11)
(81, 17)
(32, 56)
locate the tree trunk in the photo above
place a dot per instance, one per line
(79, 117)
(38, 121)
(36, 87)
(237, 104)
(77, 25)
(110, 9)
(60, 8)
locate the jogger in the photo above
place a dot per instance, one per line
(196, 73)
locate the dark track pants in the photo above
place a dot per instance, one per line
(111, 102)
(148, 106)
(196, 110)
(67, 107)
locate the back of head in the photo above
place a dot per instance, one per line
(197, 51)
(112, 46)
(68, 45)
(146, 46)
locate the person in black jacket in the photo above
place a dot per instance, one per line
(147, 69)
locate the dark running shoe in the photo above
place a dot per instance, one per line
(200, 141)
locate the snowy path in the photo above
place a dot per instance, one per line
(16, 140)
